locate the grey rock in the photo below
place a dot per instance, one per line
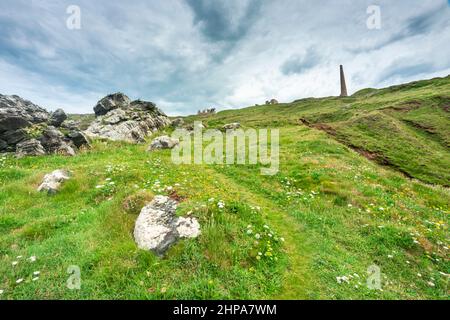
(52, 182)
(12, 122)
(111, 102)
(232, 126)
(54, 142)
(157, 227)
(177, 123)
(13, 137)
(79, 139)
(51, 139)
(3, 145)
(30, 147)
(65, 150)
(16, 112)
(164, 142)
(57, 118)
(71, 125)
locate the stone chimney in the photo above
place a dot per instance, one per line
(343, 85)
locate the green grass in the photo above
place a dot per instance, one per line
(337, 212)
(406, 126)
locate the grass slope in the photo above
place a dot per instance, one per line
(328, 213)
(404, 126)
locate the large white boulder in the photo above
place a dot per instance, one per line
(157, 227)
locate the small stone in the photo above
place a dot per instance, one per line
(164, 142)
(231, 126)
(52, 182)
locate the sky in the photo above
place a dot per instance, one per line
(187, 55)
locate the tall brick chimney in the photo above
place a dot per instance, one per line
(343, 85)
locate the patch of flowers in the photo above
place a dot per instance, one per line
(107, 188)
(350, 279)
(266, 242)
(115, 169)
(18, 277)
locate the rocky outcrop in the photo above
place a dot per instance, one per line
(118, 119)
(16, 113)
(30, 148)
(164, 142)
(157, 227)
(30, 130)
(111, 102)
(53, 181)
(57, 118)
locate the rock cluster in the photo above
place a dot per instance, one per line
(30, 130)
(120, 119)
(157, 227)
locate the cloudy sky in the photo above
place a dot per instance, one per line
(190, 54)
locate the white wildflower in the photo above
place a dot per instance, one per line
(19, 281)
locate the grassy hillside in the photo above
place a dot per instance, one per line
(406, 126)
(328, 213)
